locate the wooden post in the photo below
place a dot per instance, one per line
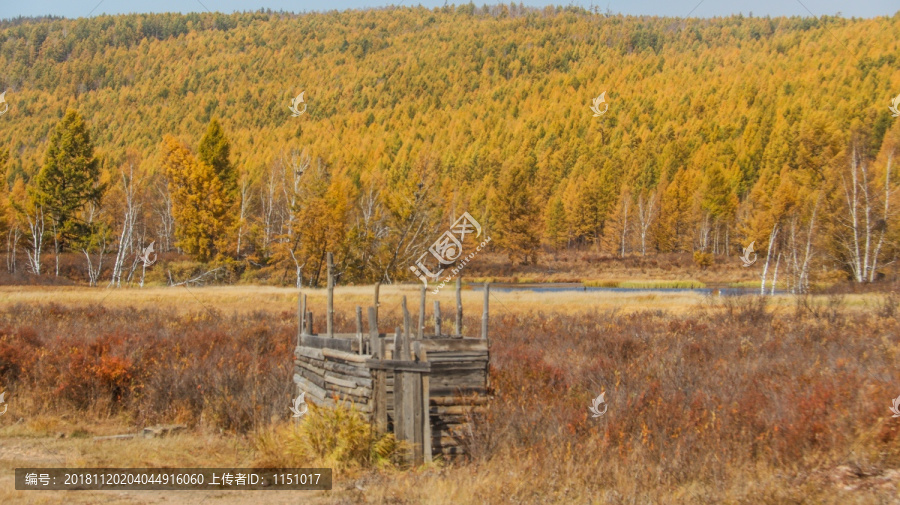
(421, 330)
(380, 390)
(418, 431)
(377, 287)
(330, 316)
(403, 350)
(411, 410)
(301, 310)
(304, 329)
(437, 318)
(458, 306)
(307, 327)
(399, 426)
(426, 408)
(359, 335)
(309, 323)
(484, 315)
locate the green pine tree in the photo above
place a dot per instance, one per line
(69, 179)
(215, 151)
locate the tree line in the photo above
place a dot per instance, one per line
(719, 133)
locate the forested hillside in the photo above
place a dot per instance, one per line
(718, 132)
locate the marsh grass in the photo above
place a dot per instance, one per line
(742, 399)
(338, 438)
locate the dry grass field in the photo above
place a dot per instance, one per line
(711, 399)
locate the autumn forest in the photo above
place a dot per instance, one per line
(175, 130)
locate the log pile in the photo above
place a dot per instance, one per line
(328, 374)
(445, 377)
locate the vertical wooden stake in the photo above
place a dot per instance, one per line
(426, 409)
(309, 323)
(415, 380)
(305, 321)
(484, 315)
(437, 318)
(421, 331)
(458, 306)
(377, 287)
(330, 316)
(380, 387)
(359, 335)
(373, 335)
(300, 311)
(403, 350)
(399, 424)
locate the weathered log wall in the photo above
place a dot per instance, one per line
(457, 381)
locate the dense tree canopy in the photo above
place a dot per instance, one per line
(718, 131)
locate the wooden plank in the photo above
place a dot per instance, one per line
(359, 335)
(402, 341)
(311, 377)
(376, 305)
(412, 408)
(310, 367)
(309, 352)
(300, 311)
(329, 317)
(398, 366)
(484, 315)
(462, 366)
(426, 403)
(464, 344)
(344, 355)
(318, 342)
(458, 400)
(420, 331)
(306, 385)
(459, 313)
(437, 390)
(397, 400)
(406, 410)
(379, 390)
(471, 380)
(347, 383)
(354, 371)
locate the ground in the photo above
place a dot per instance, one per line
(559, 454)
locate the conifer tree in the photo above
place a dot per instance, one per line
(69, 178)
(198, 201)
(516, 216)
(215, 151)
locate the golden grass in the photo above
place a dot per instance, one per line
(243, 299)
(550, 452)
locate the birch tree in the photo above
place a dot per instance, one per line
(861, 217)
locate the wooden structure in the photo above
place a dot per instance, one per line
(424, 387)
